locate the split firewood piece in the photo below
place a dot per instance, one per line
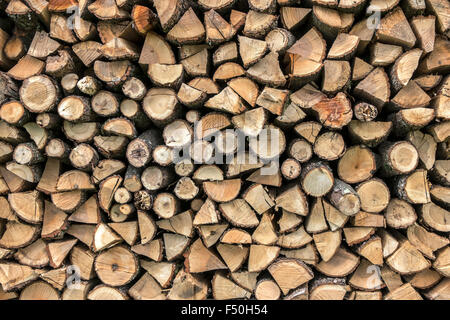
(146, 288)
(116, 266)
(344, 47)
(155, 50)
(315, 221)
(279, 40)
(428, 81)
(58, 251)
(307, 254)
(118, 48)
(39, 94)
(334, 113)
(61, 64)
(251, 50)
(236, 236)
(211, 233)
(331, 22)
(132, 179)
(224, 289)
(261, 257)
(222, 191)
(107, 10)
(187, 286)
(104, 238)
(143, 18)
(228, 71)
(42, 45)
(57, 277)
(166, 75)
(392, 279)
(442, 262)
(188, 30)
(84, 259)
(186, 189)
(163, 272)
(211, 124)
(309, 130)
(208, 172)
(207, 214)
(327, 243)
(400, 157)
(113, 73)
(87, 51)
(174, 245)
(295, 239)
(265, 232)
(59, 29)
(407, 259)
(83, 232)
(329, 146)
(357, 235)
(106, 191)
(128, 230)
(180, 223)
(360, 69)
(374, 195)
(372, 250)
(290, 116)
(390, 244)
(73, 180)
(395, 29)
(26, 67)
(227, 52)
(439, 8)
(251, 122)
(219, 5)
(267, 71)
(169, 12)
(405, 292)
(411, 96)
(218, 30)
(106, 168)
(11, 134)
(201, 259)
(370, 133)
(424, 28)
(267, 289)
(239, 213)
(152, 249)
(435, 217)
(28, 173)
(345, 198)
(54, 221)
(328, 289)
(414, 188)
(103, 292)
(27, 205)
(191, 97)
(299, 273)
(440, 195)
(293, 200)
(357, 164)
(227, 100)
(258, 24)
(408, 120)
(39, 290)
(273, 100)
(204, 84)
(288, 221)
(195, 59)
(258, 197)
(33, 255)
(404, 67)
(365, 219)
(292, 18)
(147, 227)
(269, 144)
(342, 264)
(382, 55)
(233, 255)
(439, 131)
(14, 275)
(367, 277)
(375, 88)
(438, 292)
(425, 241)
(245, 279)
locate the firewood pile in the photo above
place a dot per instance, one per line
(225, 149)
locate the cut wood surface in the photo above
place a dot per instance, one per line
(225, 149)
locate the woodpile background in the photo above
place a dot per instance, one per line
(348, 197)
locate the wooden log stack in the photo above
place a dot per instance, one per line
(225, 149)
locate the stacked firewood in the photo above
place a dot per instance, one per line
(225, 149)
